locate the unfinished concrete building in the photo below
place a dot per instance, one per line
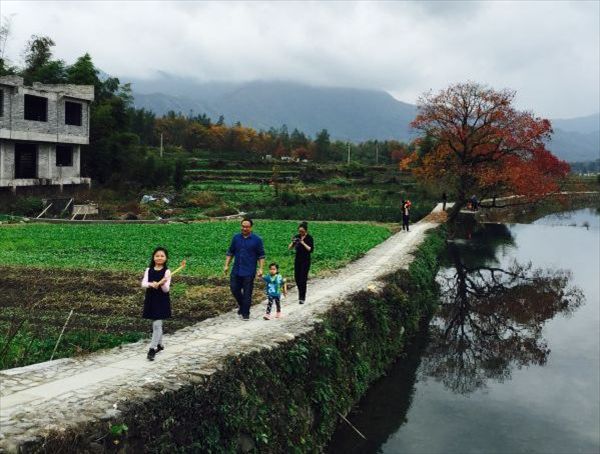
(42, 128)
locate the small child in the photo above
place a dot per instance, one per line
(157, 304)
(275, 284)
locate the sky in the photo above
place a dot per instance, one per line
(548, 52)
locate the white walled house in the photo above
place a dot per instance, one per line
(42, 128)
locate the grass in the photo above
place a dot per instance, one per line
(49, 269)
(107, 310)
(238, 195)
(344, 212)
(128, 247)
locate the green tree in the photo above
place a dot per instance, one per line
(83, 72)
(322, 146)
(143, 123)
(298, 140)
(38, 64)
(179, 175)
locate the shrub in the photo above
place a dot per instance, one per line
(221, 210)
(25, 206)
(202, 199)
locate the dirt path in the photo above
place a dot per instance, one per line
(61, 393)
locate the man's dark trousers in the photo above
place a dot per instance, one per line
(241, 288)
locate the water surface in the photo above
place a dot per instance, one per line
(510, 364)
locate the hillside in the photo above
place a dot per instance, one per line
(347, 113)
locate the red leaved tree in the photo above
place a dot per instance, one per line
(480, 144)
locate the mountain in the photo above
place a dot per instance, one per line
(575, 146)
(347, 113)
(576, 139)
(583, 125)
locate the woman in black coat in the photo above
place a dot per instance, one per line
(304, 246)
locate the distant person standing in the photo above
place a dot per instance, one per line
(405, 214)
(444, 200)
(303, 244)
(474, 203)
(247, 249)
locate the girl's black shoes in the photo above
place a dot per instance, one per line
(159, 348)
(151, 354)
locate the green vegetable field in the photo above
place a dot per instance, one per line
(128, 247)
(49, 269)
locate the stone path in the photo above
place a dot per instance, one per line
(61, 393)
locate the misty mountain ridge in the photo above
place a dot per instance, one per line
(348, 114)
(582, 125)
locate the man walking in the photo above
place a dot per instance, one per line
(247, 249)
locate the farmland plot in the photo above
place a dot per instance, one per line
(96, 270)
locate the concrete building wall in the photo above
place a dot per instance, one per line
(46, 135)
(13, 124)
(6, 106)
(7, 160)
(48, 173)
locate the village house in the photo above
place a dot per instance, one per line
(42, 129)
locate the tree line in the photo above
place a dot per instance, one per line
(473, 140)
(124, 140)
(117, 154)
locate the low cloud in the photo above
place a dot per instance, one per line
(547, 51)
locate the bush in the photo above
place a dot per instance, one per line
(179, 175)
(288, 198)
(354, 169)
(202, 199)
(221, 210)
(322, 210)
(25, 206)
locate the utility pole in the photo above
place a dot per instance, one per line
(161, 145)
(348, 152)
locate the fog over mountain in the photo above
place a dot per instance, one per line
(347, 113)
(584, 125)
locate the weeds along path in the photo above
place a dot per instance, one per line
(70, 391)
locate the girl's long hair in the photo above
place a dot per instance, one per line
(152, 257)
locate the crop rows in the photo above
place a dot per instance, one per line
(49, 269)
(128, 247)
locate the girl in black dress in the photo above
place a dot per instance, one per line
(157, 304)
(304, 245)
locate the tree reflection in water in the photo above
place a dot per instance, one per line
(491, 316)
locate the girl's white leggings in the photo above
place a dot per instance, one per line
(156, 333)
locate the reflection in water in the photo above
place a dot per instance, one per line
(490, 322)
(491, 317)
(387, 405)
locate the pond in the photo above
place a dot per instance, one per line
(510, 363)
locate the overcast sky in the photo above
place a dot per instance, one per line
(547, 51)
